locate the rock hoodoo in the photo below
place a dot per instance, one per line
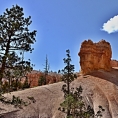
(95, 56)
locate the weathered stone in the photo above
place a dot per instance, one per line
(95, 56)
(34, 77)
(100, 88)
(114, 63)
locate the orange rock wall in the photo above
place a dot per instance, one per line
(95, 56)
(114, 63)
(33, 78)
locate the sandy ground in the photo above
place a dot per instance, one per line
(99, 88)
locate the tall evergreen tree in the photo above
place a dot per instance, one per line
(68, 77)
(73, 104)
(15, 39)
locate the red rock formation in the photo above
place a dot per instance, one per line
(95, 56)
(34, 77)
(114, 63)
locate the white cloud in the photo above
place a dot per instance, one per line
(111, 25)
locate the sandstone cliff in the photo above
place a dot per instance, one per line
(95, 56)
(34, 77)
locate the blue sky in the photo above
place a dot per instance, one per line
(64, 24)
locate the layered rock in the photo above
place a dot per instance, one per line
(34, 77)
(114, 63)
(95, 56)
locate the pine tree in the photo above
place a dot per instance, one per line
(73, 104)
(41, 80)
(15, 39)
(68, 77)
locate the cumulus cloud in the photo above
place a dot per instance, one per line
(111, 25)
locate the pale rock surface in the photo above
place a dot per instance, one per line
(99, 88)
(95, 56)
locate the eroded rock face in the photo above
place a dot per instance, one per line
(114, 63)
(95, 56)
(34, 77)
